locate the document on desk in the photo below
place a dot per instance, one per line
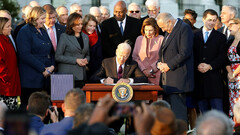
(133, 84)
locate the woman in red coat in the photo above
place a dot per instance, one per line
(9, 76)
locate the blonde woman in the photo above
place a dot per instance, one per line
(36, 55)
(234, 61)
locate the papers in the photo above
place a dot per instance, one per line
(133, 84)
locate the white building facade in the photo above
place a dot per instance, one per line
(175, 7)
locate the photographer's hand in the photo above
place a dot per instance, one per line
(101, 111)
(143, 120)
(53, 114)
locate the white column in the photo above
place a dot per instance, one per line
(207, 2)
(169, 6)
(231, 2)
(70, 2)
(43, 2)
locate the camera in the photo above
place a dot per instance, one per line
(51, 108)
(123, 109)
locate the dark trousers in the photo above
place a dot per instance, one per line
(213, 103)
(178, 104)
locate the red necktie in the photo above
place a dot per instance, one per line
(52, 36)
(120, 72)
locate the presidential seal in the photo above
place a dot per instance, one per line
(122, 92)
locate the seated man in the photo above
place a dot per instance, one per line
(120, 69)
(38, 104)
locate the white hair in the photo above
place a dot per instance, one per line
(164, 17)
(58, 8)
(215, 115)
(233, 10)
(104, 7)
(72, 7)
(92, 10)
(133, 4)
(124, 46)
(152, 3)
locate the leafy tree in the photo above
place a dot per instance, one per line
(11, 5)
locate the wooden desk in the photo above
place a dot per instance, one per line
(96, 91)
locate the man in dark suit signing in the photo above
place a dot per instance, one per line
(209, 57)
(117, 29)
(118, 69)
(176, 62)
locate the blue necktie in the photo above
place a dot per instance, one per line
(121, 27)
(206, 36)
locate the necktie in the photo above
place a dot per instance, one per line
(226, 32)
(120, 72)
(206, 36)
(121, 27)
(52, 36)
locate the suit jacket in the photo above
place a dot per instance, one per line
(35, 53)
(59, 128)
(146, 55)
(177, 52)
(209, 84)
(36, 124)
(109, 69)
(229, 38)
(9, 74)
(59, 30)
(112, 37)
(68, 50)
(17, 29)
(95, 129)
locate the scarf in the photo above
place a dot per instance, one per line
(93, 38)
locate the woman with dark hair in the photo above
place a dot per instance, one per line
(233, 67)
(9, 76)
(73, 50)
(89, 28)
(36, 55)
(146, 49)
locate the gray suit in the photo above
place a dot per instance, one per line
(68, 50)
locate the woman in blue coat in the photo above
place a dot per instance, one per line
(36, 55)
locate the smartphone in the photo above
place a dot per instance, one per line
(123, 109)
(51, 108)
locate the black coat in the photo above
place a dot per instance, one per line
(213, 52)
(177, 52)
(112, 37)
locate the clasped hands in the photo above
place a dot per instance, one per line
(48, 71)
(109, 80)
(203, 67)
(163, 67)
(82, 62)
(231, 77)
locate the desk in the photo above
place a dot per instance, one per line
(96, 91)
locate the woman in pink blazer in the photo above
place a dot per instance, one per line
(146, 49)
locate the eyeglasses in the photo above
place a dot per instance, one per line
(231, 24)
(134, 11)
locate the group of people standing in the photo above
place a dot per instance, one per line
(170, 53)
